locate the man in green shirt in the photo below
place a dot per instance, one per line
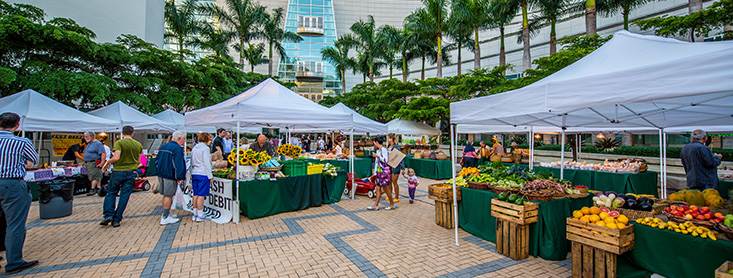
(126, 158)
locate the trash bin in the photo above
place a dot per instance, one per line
(56, 198)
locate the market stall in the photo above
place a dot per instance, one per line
(430, 168)
(122, 114)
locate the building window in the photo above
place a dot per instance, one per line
(310, 22)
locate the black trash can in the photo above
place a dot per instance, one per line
(56, 198)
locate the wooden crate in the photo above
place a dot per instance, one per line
(611, 240)
(519, 214)
(512, 239)
(591, 262)
(441, 192)
(722, 271)
(444, 214)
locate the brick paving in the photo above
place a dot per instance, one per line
(339, 240)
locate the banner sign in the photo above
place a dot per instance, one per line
(220, 206)
(62, 141)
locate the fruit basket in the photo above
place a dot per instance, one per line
(725, 270)
(616, 241)
(704, 223)
(727, 231)
(633, 214)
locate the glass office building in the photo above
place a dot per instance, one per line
(314, 21)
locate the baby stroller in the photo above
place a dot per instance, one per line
(365, 186)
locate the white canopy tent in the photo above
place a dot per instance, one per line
(270, 104)
(631, 81)
(362, 124)
(122, 114)
(41, 113)
(405, 127)
(176, 120)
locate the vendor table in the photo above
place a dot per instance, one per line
(724, 187)
(362, 166)
(547, 236)
(261, 198)
(151, 170)
(675, 255)
(639, 183)
(429, 168)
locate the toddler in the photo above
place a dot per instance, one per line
(412, 182)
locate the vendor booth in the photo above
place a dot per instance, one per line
(631, 82)
(421, 158)
(259, 184)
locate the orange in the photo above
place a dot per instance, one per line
(620, 225)
(611, 226)
(622, 219)
(585, 219)
(595, 210)
(594, 218)
(603, 215)
(577, 214)
(585, 210)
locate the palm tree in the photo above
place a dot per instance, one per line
(590, 17)
(432, 19)
(460, 30)
(502, 12)
(391, 39)
(693, 6)
(475, 16)
(244, 18)
(181, 24)
(254, 54)
(365, 38)
(275, 35)
(549, 12)
(338, 56)
(407, 49)
(624, 7)
(216, 40)
(420, 39)
(526, 55)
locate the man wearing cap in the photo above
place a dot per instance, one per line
(701, 164)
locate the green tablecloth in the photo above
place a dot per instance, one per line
(675, 255)
(547, 236)
(264, 198)
(578, 177)
(151, 171)
(362, 166)
(431, 169)
(641, 183)
(724, 187)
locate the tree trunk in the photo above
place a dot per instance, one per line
(180, 48)
(371, 72)
(439, 60)
(343, 81)
(573, 146)
(459, 58)
(390, 71)
(251, 67)
(404, 68)
(363, 77)
(422, 71)
(241, 53)
(269, 70)
(476, 50)
(693, 6)
(590, 17)
(502, 50)
(625, 12)
(553, 37)
(526, 56)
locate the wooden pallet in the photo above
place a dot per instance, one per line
(443, 192)
(519, 214)
(611, 240)
(444, 214)
(512, 239)
(591, 262)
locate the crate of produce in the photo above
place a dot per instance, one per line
(589, 262)
(615, 241)
(315, 169)
(725, 270)
(443, 192)
(444, 214)
(518, 214)
(293, 168)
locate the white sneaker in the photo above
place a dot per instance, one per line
(168, 220)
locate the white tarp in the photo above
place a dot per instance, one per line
(631, 81)
(176, 120)
(405, 127)
(269, 104)
(362, 124)
(479, 129)
(122, 114)
(41, 113)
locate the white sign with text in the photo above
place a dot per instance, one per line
(220, 206)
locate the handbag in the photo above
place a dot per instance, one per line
(395, 158)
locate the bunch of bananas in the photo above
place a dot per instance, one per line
(468, 171)
(289, 150)
(248, 157)
(687, 228)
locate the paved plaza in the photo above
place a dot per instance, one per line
(339, 240)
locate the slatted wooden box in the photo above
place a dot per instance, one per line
(444, 214)
(443, 192)
(512, 227)
(595, 249)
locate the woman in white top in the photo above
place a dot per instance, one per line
(201, 177)
(384, 174)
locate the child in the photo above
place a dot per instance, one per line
(412, 183)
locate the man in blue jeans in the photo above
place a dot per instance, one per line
(126, 159)
(15, 154)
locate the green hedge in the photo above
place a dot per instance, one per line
(672, 152)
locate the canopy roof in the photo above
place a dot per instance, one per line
(176, 121)
(41, 113)
(122, 114)
(269, 104)
(405, 127)
(362, 124)
(631, 81)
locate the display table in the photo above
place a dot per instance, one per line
(362, 166)
(259, 199)
(151, 170)
(675, 255)
(639, 183)
(429, 168)
(546, 237)
(724, 187)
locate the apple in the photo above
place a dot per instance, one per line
(693, 207)
(719, 215)
(700, 217)
(688, 216)
(705, 209)
(708, 216)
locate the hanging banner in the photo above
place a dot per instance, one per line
(219, 207)
(62, 141)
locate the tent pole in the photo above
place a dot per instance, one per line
(664, 180)
(661, 165)
(577, 145)
(531, 148)
(562, 153)
(236, 178)
(351, 163)
(453, 180)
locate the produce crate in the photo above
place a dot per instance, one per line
(479, 186)
(315, 169)
(444, 214)
(443, 192)
(591, 262)
(638, 214)
(616, 241)
(518, 214)
(722, 271)
(293, 168)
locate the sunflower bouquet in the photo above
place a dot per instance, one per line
(289, 150)
(248, 157)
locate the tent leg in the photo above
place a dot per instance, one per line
(661, 164)
(453, 174)
(664, 169)
(235, 218)
(562, 153)
(531, 148)
(351, 164)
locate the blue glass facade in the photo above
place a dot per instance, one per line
(314, 21)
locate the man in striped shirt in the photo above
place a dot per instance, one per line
(16, 154)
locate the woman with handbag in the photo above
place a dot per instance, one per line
(384, 174)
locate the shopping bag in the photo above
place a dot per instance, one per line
(395, 158)
(179, 200)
